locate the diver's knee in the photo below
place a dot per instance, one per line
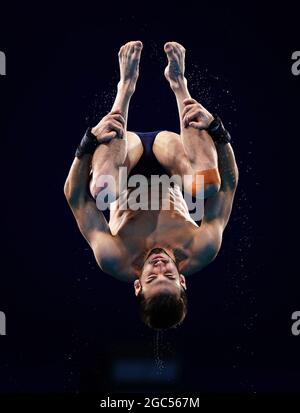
(105, 191)
(104, 184)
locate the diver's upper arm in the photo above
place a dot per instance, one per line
(208, 243)
(90, 220)
(218, 208)
(208, 239)
(107, 252)
(95, 229)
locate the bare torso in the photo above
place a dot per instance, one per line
(140, 230)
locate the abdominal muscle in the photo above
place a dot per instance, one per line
(153, 217)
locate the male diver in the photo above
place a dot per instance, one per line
(155, 249)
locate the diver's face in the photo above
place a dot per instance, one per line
(160, 274)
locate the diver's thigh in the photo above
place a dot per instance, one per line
(103, 163)
(134, 151)
(169, 151)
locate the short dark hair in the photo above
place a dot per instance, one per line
(164, 310)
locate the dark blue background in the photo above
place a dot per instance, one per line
(69, 326)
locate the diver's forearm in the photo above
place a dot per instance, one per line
(75, 188)
(227, 166)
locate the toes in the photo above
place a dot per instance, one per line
(138, 45)
(121, 50)
(177, 49)
(130, 47)
(124, 49)
(179, 46)
(173, 47)
(127, 47)
(136, 49)
(169, 49)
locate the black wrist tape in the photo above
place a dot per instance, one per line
(88, 144)
(217, 131)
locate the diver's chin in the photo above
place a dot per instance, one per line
(156, 251)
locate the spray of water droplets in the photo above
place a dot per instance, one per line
(101, 102)
(213, 91)
(159, 363)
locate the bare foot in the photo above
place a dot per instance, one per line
(174, 72)
(129, 59)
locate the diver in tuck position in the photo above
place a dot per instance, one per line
(154, 248)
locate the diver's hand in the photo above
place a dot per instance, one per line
(110, 127)
(195, 115)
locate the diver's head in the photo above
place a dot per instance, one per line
(160, 290)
